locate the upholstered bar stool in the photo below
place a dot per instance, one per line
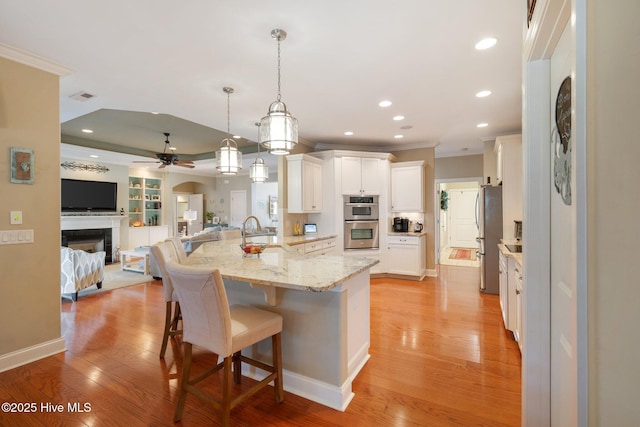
(179, 247)
(165, 252)
(209, 322)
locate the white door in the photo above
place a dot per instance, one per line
(238, 208)
(462, 218)
(196, 204)
(564, 364)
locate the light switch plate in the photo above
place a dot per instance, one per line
(16, 217)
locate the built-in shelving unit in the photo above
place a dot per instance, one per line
(145, 201)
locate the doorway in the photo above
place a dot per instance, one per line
(456, 216)
(238, 207)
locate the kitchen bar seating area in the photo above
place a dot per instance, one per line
(453, 364)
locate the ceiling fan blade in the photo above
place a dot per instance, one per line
(162, 166)
(184, 165)
(142, 161)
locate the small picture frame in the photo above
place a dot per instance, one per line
(146, 197)
(22, 166)
(155, 197)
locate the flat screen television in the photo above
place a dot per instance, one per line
(92, 196)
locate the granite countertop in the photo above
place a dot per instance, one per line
(407, 233)
(306, 238)
(506, 252)
(279, 265)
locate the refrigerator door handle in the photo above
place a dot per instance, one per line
(477, 211)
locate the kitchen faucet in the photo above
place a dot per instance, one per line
(244, 228)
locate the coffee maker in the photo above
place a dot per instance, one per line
(400, 225)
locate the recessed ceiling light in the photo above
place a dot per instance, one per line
(172, 148)
(237, 137)
(384, 103)
(398, 136)
(482, 125)
(87, 131)
(486, 43)
(154, 112)
(348, 133)
(396, 118)
(483, 93)
(93, 156)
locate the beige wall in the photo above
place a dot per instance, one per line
(428, 155)
(30, 285)
(459, 167)
(613, 150)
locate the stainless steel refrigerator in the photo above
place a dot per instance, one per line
(489, 223)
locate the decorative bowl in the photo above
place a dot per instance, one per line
(252, 249)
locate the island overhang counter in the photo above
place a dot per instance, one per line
(324, 302)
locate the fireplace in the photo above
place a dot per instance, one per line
(93, 233)
(91, 240)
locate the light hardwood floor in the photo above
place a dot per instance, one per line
(440, 356)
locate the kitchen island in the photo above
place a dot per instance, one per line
(324, 302)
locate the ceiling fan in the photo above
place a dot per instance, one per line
(167, 158)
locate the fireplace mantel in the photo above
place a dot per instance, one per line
(82, 222)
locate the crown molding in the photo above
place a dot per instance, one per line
(32, 60)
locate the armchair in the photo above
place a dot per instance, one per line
(80, 270)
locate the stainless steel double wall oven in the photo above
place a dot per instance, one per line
(361, 220)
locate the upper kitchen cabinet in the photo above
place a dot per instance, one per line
(509, 173)
(407, 187)
(360, 176)
(304, 180)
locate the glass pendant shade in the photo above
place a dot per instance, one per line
(229, 158)
(259, 172)
(278, 129)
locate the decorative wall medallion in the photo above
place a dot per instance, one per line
(22, 165)
(561, 142)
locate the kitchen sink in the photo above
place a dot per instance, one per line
(514, 248)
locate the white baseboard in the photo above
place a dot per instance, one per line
(31, 354)
(432, 272)
(335, 397)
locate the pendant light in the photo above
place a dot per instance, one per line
(229, 158)
(279, 129)
(258, 171)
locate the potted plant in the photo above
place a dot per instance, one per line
(210, 216)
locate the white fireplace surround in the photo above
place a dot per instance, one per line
(86, 222)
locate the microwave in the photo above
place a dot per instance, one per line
(361, 208)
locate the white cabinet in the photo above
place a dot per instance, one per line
(407, 255)
(360, 175)
(503, 267)
(518, 333)
(304, 180)
(147, 236)
(318, 247)
(509, 172)
(407, 187)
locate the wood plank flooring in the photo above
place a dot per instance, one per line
(440, 356)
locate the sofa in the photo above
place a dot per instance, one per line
(80, 270)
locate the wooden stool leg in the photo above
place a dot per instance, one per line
(182, 393)
(276, 344)
(237, 368)
(226, 391)
(167, 327)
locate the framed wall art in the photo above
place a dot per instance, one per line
(22, 166)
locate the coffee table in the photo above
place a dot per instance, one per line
(130, 260)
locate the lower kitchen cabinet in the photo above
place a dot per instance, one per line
(518, 332)
(503, 277)
(406, 255)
